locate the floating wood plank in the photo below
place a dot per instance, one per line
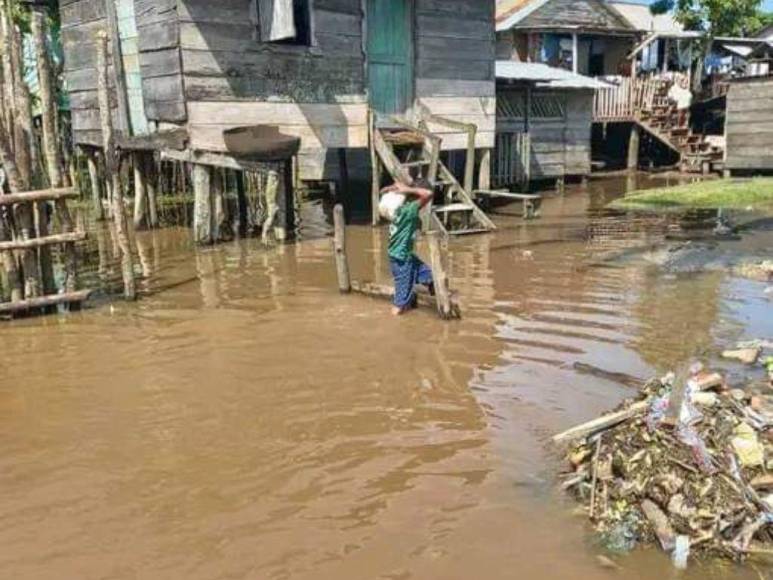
(34, 243)
(39, 195)
(44, 301)
(423, 296)
(601, 424)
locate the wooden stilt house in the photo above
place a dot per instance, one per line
(186, 71)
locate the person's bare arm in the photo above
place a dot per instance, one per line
(422, 195)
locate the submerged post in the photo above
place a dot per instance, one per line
(202, 209)
(633, 148)
(140, 190)
(339, 245)
(442, 293)
(112, 168)
(96, 186)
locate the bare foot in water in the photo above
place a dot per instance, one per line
(397, 311)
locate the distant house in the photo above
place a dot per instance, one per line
(544, 119)
(749, 120)
(314, 68)
(546, 51)
(588, 37)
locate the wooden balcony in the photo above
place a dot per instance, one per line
(627, 98)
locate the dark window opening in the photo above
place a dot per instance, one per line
(285, 22)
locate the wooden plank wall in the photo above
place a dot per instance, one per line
(455, 78)
(559, 147)
(231, 79)
(749, 125)
(81, 21)
(160, 62)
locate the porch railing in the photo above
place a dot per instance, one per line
(626, 98)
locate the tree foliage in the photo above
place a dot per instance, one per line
(715, 17)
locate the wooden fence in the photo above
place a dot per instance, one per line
(625, 98)
(512, 160)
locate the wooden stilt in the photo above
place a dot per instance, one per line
(339, 245)
(140, 190)
(272, 207)
(152, 181)
(202, 208)
(284, 228)
(375, 165)
(442, 293)
(220, 229)
(633, 147)
(484, 171)
(112, 166)
(10, 264)
(54, 162)
(241, 201)
(96, 186)
(44, 252)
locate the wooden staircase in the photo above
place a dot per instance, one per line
(26, 254)
(410, 151)
(671, 127)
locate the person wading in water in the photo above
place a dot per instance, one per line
(407, 269)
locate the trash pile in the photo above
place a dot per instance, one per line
(687, 465)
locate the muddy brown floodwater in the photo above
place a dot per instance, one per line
(244, 421)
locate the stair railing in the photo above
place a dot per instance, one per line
(471, 129)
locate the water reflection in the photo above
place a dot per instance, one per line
(243, 420)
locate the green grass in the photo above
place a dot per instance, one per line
(756, 193)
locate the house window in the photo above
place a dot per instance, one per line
(546, 106)
(283, 21)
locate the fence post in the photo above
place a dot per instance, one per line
(440, 278)
(339, 245)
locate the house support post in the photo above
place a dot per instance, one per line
(285, 226)
(112, 169)
(202, 204)
(96, 185)
(633, 147)
(484, 171)
(241, 201)
(339, 245)
(140, 190)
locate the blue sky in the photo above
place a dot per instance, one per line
(767, 4)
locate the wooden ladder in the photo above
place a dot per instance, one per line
(14, 241)
(410, 151)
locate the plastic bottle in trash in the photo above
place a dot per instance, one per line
(681, 552)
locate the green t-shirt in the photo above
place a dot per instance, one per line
(402, 232)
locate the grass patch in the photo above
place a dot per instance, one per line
(731, 193)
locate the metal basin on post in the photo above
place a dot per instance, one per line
(265, 143)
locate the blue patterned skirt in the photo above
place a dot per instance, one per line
(407, 274)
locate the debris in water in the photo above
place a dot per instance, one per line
(747, 356)
(696, 485)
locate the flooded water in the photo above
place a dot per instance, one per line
(243, 420)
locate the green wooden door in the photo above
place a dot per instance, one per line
(390, 55)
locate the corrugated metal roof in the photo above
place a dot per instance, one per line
(641, 18)
(544, 75)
